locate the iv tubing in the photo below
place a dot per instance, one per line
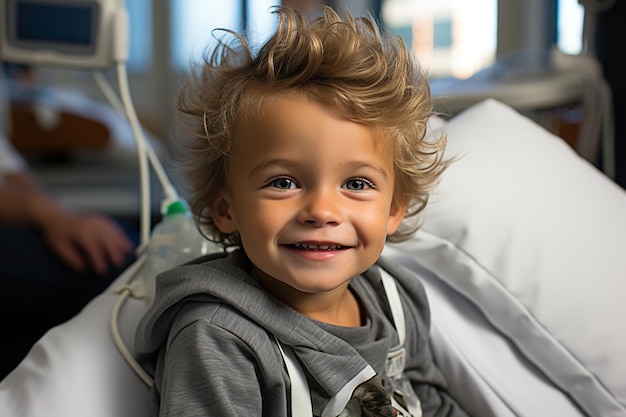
(105, 87)
(141, 153)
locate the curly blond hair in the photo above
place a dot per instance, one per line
(367, 75)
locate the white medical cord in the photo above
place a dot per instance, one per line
(144, 171)
(169, 190)
(126, 107)
(126, 292)
(108, 92)
(145, 153)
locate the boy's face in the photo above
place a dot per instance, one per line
(310, 195)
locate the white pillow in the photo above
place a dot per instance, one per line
(534, 238)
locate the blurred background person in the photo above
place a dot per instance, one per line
(52, 260)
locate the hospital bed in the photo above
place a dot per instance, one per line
(522, 256)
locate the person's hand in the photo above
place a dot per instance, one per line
(84, 242)
(87, 241)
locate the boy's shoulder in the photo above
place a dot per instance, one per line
(216, 319)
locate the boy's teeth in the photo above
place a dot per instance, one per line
(310, 246)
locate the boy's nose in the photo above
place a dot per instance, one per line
(321, 208)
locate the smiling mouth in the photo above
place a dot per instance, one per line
(318, 247)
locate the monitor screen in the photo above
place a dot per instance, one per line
(62, 26)
(55, 23)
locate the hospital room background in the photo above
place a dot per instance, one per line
(514, 50)
(556, 63)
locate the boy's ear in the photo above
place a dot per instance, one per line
(396, 215)
(222, 215)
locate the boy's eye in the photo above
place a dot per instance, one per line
(282, 183)
(358, 184)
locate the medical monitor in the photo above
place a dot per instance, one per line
(73, 33)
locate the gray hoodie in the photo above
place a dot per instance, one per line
(210, 341)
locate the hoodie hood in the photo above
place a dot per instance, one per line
(227, 280)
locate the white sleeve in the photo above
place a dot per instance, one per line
(10, 159)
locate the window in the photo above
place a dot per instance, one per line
(570, 26)
(192, 23)
(449, 37)
(140, 48)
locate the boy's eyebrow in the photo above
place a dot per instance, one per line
(365, 164)
(288, 163)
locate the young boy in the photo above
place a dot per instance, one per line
(308, 157)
